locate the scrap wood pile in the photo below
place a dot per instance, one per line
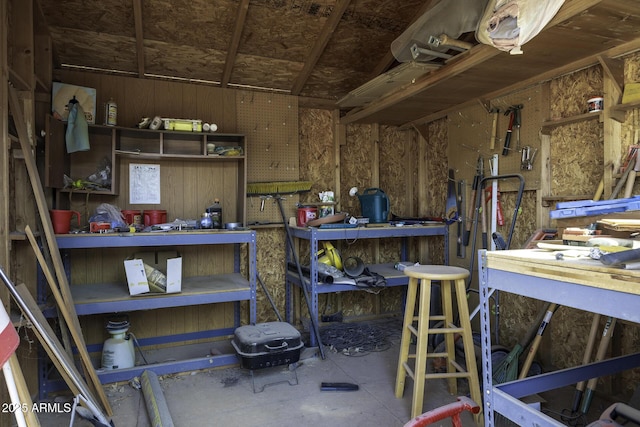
(90, 399)
(612, 240)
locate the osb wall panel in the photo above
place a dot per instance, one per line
(577, 158)
(317, 159)
(437, 173)
(577, 149)
(271, 245)
(356, 165)
(358, 170)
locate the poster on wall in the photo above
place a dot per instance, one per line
(144, 184)
(62, 93)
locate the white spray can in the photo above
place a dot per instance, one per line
(111, 113)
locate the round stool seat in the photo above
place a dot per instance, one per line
(436, 272)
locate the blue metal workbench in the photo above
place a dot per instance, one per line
(393, 277)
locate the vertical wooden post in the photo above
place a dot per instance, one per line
(542, 213)
(5, 145)
(612, 134)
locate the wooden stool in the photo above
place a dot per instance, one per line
(448, 276)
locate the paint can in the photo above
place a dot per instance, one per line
(595, 104)
(111, 113)
(306, 214)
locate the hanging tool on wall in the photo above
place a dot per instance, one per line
(514, 113)
(483, 206)
(474, 193)
(494, 127)
(528, 156)
(460, 251)
(499, 213)
(517, 123)
(451, 207)
(496, 207)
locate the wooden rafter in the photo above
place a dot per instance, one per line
(241, 16)
(137, 18)
(329, 27)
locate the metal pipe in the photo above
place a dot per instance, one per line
(303, 285)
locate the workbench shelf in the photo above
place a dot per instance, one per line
(101, 298)
(110, 143)
(316, 235)
(583, 284)
(175, 144)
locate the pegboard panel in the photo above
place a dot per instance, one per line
(470, 132)
(270, 124)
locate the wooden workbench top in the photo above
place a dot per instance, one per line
(582, 270)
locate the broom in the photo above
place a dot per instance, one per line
(277, 187)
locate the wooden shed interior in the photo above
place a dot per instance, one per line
(312, 92)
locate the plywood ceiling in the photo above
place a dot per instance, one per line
(321, 50)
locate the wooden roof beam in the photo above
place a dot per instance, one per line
(611, 55)
(476, 55)
(137, 19)
(329, 27)
(241, 17)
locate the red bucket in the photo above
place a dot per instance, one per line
(306, 214)
(61, 220)
(153, 217)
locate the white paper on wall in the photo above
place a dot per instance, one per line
(144, 184)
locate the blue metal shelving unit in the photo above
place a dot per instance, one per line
(114, 297)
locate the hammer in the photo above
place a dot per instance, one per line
(494, 127)
(514, 120)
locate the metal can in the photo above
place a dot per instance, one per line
(111, 113)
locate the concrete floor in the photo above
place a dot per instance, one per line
(271, 397)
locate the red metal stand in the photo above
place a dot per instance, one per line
(452, 410)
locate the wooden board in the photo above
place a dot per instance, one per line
(584, 271)
(47, 226)
(53, 347)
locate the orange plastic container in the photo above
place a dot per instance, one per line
(61, 220)
(155, 216)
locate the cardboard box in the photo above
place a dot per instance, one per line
(167, 262)
(186, 125)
